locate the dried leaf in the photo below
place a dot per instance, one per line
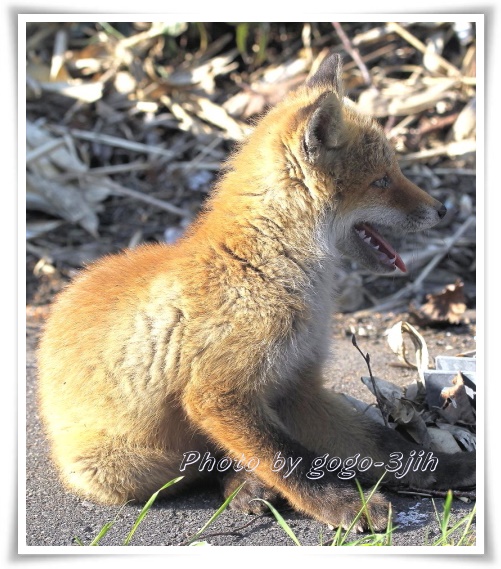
(434, 47)
(61, 156)
(400, 99)
(465, 125)
(65, 201)
(94, 191)
(268, 90)
(462, 434)
(368, 410)
(218, 116)
(387, 390)
(443, 441)
(204, 73)
(396, 342)
(449, 305)
(85, 91)
(403, 412)
(36, 228)
(456, 406)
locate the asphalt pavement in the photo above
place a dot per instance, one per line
(55, 518)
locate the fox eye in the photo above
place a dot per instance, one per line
(383, 182)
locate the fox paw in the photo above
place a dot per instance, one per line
(352, 514)
(249, 498)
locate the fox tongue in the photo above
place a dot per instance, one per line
(384, 247)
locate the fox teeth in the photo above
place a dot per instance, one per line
(386, 259)
(368, 240)
(383, 257)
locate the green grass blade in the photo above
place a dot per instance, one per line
(362, 510)
(447, 513)
(448, 532)
(444, 519)
(281, 522)
(104, 530)
(219, 511)
(146, 508)
(469, 521)
(389, 527)
(339, 538)
(336, 540)
(110, 30)
(263, 35)
(242, 33)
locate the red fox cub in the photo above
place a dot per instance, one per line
(205, 357)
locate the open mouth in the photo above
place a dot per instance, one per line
(383, 251)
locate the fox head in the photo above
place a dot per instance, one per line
(346, 166)
(351, 155)
(371, 192)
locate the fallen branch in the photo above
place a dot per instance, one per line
(115, 141)
(45, 149)
(120, 190)
(451, 150)
(427, 492)
(412, 287)
(376, 391)
(412, 40)
(353, 52)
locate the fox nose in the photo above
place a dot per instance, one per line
(442, 211)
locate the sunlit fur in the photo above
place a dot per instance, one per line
(217, 343)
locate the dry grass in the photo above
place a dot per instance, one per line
(128, 123)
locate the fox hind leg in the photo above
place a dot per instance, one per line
(114, 472)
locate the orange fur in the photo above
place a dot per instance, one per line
(216, 344)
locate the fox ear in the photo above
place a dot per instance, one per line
(329, 74)
(324, 127)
